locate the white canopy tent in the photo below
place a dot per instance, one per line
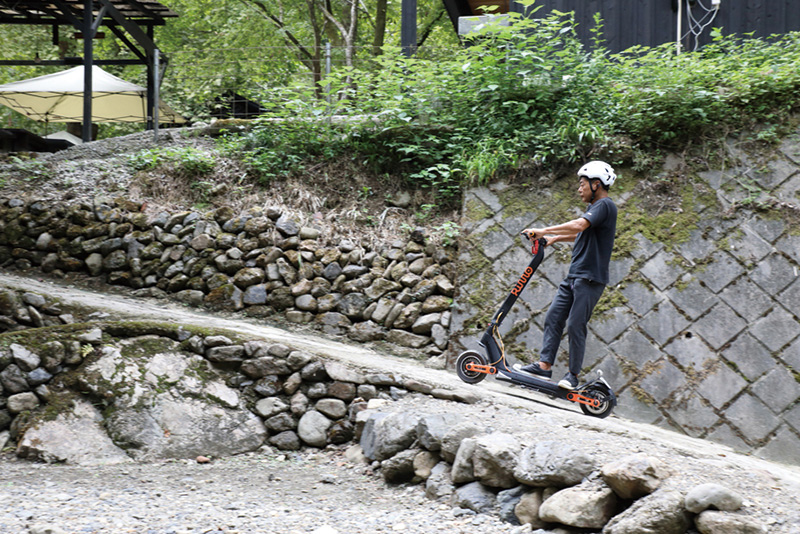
(58, 97)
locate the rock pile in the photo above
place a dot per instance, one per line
(24, 374)
(21, 310)
(260, 262)
(541, 484)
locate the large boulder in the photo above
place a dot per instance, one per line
(553, 463)
(163, 403)
(452, 439)
(21, 402)
(180, 427)
(507, 501)
(438, 484)
(13, 380)
(588, 505)
(661, 512)
(341, 373)
(25, 359)
(474, 496)
(386, 435)
(313, 428)
(463, 469)
(527, 509)
(712, 496)
(74, 437)
(432, 429)
(634, 476)
(400, 467)
(716, 522)
(494, 459)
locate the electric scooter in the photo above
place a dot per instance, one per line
(595, 398)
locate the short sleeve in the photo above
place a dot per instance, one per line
(597, 213)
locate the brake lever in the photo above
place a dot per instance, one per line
(535, 243)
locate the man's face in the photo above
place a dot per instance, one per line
(585, 190)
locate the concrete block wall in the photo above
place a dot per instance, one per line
(699, 333)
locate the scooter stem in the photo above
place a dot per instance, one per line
(538, 255)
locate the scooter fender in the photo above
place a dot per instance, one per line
(600, 383)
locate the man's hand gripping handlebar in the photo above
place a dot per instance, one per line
(534, 241)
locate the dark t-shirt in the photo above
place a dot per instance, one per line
(591, 253)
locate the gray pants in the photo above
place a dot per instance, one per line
(572, 305)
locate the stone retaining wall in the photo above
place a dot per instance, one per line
(698, 330)
(232, 394)
(260, 263)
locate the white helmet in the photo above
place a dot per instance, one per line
(598, 170)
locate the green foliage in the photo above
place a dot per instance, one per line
(447, 232)
(530, 93)
(729, 84)
(276, 148)
(188, 160)
(439, 178)
(33, 169)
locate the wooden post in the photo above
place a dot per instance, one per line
(156, 83)
(151, 77)
(408, 27)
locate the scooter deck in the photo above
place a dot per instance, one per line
(531, 382)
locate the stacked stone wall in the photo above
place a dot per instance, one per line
(698, 330)
(260, 263)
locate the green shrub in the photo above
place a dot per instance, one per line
(187, 160)
(527, 93)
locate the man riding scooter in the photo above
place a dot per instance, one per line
(593, 234)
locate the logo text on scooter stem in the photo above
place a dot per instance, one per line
(520, 285)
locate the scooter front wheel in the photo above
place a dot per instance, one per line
(470, 357)
(603, 397)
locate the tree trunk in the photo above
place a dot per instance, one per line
(380, 27)
(310, 58)
(349, 32)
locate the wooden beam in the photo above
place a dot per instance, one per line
(131, 27)
(127, 42)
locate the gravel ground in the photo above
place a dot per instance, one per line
(321, 492)
(261, 492)
(83, 171)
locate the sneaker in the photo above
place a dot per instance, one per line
(569, 381)
(534, 369)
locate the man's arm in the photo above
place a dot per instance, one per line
(560, 233)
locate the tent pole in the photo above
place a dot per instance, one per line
(88, 53)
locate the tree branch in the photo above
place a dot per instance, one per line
(426, 31)
(288, 35)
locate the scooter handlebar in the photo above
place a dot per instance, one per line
(533, 241)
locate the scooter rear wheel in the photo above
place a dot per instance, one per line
(470, 357)
(606, 402)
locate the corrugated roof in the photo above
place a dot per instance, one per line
(48, 12)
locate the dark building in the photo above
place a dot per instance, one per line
(627, 23)
(18, 140)
(231, 105)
